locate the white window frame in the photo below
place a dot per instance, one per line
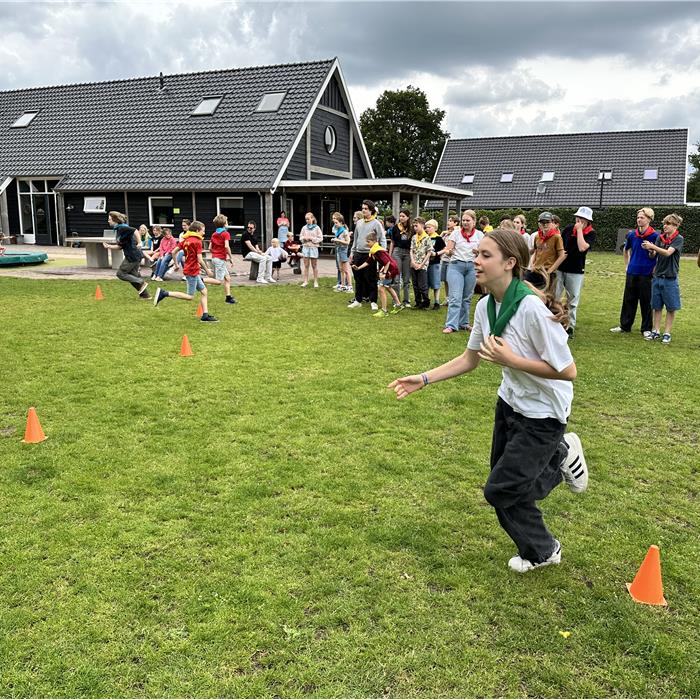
(208, 113)
(34, 191)
(218, 211)
(330, 148)
(276, 106)
(468, 178)
(91, 205)
(648, 171)
(24, 120)
(547, 176)
(150, 211)
(507, 177)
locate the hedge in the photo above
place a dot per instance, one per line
(606, 221)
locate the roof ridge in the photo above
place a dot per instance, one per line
(569, 133)
(328, 61)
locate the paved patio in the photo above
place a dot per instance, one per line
(69, 264)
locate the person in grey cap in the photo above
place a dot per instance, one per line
(548, 253)
(578, 238)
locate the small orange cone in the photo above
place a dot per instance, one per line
(647, 586)
(98, 294)
(200, 310)
(185, 349)
(33, 433)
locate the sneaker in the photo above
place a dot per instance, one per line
(339, 288)
(666, 338)
(397, 308)
(261, 281)
(373, 306)
(230, 300)
(144, 295)
(143, 288)
(354, 304)
(208, 318)
(573, 467)
(349, 290)
(271, 279)
(303, 284)
(380, 314)
(655, 335)
(407, 305)
(618, 329)
(160, 295)
(157, 279)
(522, 566)
(436, 306)
(647, 335)
(315, 285)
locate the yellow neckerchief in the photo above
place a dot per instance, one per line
(420, 236)
(375, 248)
(371, 218)
(402, 228)
(193, 234)
(434, 235)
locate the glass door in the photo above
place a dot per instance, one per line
(38, 215)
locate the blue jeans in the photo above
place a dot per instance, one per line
(162, 266)
(461, 280)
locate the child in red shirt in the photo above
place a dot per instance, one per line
(191, 245)
(388, 274)
(221, 252)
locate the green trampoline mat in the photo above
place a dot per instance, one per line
(23, 258)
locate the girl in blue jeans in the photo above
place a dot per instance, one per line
(461, 279)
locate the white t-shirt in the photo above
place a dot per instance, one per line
(464, 250)
(532, 334)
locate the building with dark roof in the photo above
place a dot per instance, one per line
(245, 142)
(568, 170)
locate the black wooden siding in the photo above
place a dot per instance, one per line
(340, 158)
(333, 98)
(89, 224)
(296, 170)
(12, 209)
(358, 168)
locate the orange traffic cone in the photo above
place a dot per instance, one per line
(33, 433)
(200, 310)
(98, 294)
(185, 349)
(647, 586)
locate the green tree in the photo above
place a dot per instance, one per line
(693, 191)
(403, 135)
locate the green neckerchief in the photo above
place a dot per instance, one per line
(516, 292)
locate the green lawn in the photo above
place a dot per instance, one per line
(265, 519)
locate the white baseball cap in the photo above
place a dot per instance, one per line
(585, 213)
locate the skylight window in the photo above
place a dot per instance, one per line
(468, 179)
(207, 106)
(651, 174)
(271, 102)
(25, 120)
(507, 177)
(547, 176)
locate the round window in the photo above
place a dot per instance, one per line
(329, 139)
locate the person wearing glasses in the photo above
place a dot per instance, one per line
(250, 250)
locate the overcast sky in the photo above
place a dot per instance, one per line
(497, 68)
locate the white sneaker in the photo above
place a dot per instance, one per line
(374, 307)
(647, 335)
(336, 287)
(574, 468)
(303, 284)
(315, 285)
(349, 290)
(271, 279)
(617, 329)
(354, 304)
(261, 281)
(522, 566)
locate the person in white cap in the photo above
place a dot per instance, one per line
(578, 238)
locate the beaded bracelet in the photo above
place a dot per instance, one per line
(425, 379)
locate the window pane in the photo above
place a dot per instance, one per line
(468, 178)
(162, 210)
(651, 174)
(507, 177)
(271, 102)
(23, 186)
(547, 176)
(25, 120)
(232, 209)
(207, 106)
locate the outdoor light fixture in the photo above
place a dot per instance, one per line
(603, 176)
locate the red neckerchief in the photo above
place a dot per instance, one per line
(544, 237)
(467, 236)
(645, 234)
(587, 230)
(669, 240)
(523, 231)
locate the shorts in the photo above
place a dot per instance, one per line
(444, 265)
(220, 270)
(665, 292)
(194, 283)
(276, 264)
(309, 251)
(341, 254)
(434, 276)
(387, 282)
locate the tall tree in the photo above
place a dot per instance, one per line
(693, 190)
(403, 135)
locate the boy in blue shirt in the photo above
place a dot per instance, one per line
(640, 267)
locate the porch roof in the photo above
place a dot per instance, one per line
(375, 186)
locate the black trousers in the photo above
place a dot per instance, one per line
(525, 458)
(637, 290)
(420, 287)
(365, 279)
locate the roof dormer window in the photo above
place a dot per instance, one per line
(468, 178)
(271, 102)
(25, 120)
(207, 106)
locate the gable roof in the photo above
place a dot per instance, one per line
(576, 160)
(131, 135)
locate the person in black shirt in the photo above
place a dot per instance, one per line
(400, 250)
(126, 241)
(577, 238)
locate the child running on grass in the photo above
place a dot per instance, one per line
(530, 452)
(128, 242)
(192, 266)
(221, 254)
(388, 274)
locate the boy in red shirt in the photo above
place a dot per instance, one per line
(191, 245)
(388, 274)
(221, 252)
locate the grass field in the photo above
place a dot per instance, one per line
(265, 519)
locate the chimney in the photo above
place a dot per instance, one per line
(161, 81)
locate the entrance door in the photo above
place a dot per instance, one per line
(328, 206)
(37, 206)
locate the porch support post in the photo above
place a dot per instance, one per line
(396, 203)
(269, 232)
(61, 210)
(445, 211)
(416, 205)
